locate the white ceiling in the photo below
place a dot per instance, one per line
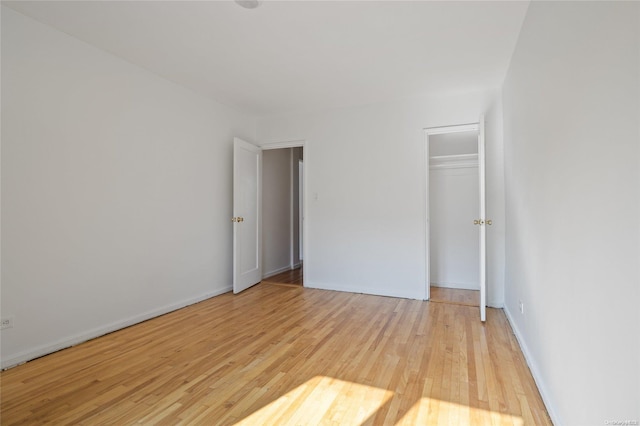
(301, 55)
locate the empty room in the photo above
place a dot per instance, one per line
(320, 212)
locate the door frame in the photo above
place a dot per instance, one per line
(301, 143)
(468, 127)
(301, 197)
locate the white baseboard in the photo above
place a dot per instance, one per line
(28, 355)
(457, 286)
(495, 304)
(297, 265)
(498, 304)
(533, 367)
(276, 272)
(364, 290)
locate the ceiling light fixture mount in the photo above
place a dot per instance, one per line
(248, 4)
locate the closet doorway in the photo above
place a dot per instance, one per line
(282, 201)
(455, 264)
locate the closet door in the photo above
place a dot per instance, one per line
(482, 222)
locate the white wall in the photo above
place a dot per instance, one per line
(276, 213)
(116, 191)
(454, 204)
(366, 190)
(571, 108)
(457, 143)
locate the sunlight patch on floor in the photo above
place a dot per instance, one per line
(319, 400)
(326, 400)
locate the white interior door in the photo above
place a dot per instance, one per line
(483, 223)
(247, 215)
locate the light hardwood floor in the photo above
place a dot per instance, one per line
(292, 277)
(454, 295)
(280, 355)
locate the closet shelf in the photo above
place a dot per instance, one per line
(457, 161)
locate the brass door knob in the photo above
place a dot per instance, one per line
(476, 222)
(489, 222)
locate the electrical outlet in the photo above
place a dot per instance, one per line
(6, 322)
(521, 307)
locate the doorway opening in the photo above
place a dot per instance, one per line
(454, 203)
(455, 233)
(282, 218)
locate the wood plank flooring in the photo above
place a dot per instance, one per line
(279, 355)
(454, 295)
(292, 278)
